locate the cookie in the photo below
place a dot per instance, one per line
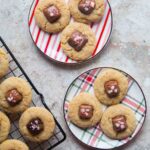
(111, 86)
(4, 126)
(15, 95)
(84, 110)
(4, 63)
(13, 145)
(37, 124)
(52, 16)
(78, 41)
(87, 11)
(118, 122)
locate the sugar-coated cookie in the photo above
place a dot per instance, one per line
(15, 95)
(84, 110)
(111, 86)
(78, 41)
(37, 124)
(13, 145)
(87, 11)
(118, 122)
(4, 126)
(4, 63)
(52, 15)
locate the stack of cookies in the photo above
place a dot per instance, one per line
(77, 39)
(36, 124)
(104, 108)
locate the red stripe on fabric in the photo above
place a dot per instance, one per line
(58, 47)
(142, 109)
(57, 50)
(42, 40)
(48, 41)
(107, 34)
(100, 21)
(33, 29)
(94, 138)
(134, 104)
(67, 59)
(85, 85)
(82, 76)
(54, 41)
(30, 21)
(37, 37)
(102, 31)
(52, 47)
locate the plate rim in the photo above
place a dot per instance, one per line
(121, 146)
(77, 62)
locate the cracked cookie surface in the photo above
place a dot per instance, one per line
(94, 16)
(43, 22)
(107, 121)
(88, 48)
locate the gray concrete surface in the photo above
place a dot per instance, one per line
(129, 50)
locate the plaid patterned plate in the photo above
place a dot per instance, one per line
(50, 45)
(94, 136)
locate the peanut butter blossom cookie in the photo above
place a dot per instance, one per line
(4, 127)
(118, 122)
(13, 145)
(84, 110)
(111, 86)
(78, 41)
(37, 124)
(52, 15)
(4, 63)
(87, 11)
(15, 95)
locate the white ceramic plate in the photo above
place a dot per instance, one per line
(94, 137)
(49, 44)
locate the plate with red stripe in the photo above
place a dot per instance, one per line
(50, 45)
(94, 137)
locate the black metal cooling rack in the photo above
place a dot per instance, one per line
(16, 70)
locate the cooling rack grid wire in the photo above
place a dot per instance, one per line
(16, 70)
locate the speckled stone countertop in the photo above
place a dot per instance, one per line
(129, 50)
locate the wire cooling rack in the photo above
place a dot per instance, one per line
(16, 70)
